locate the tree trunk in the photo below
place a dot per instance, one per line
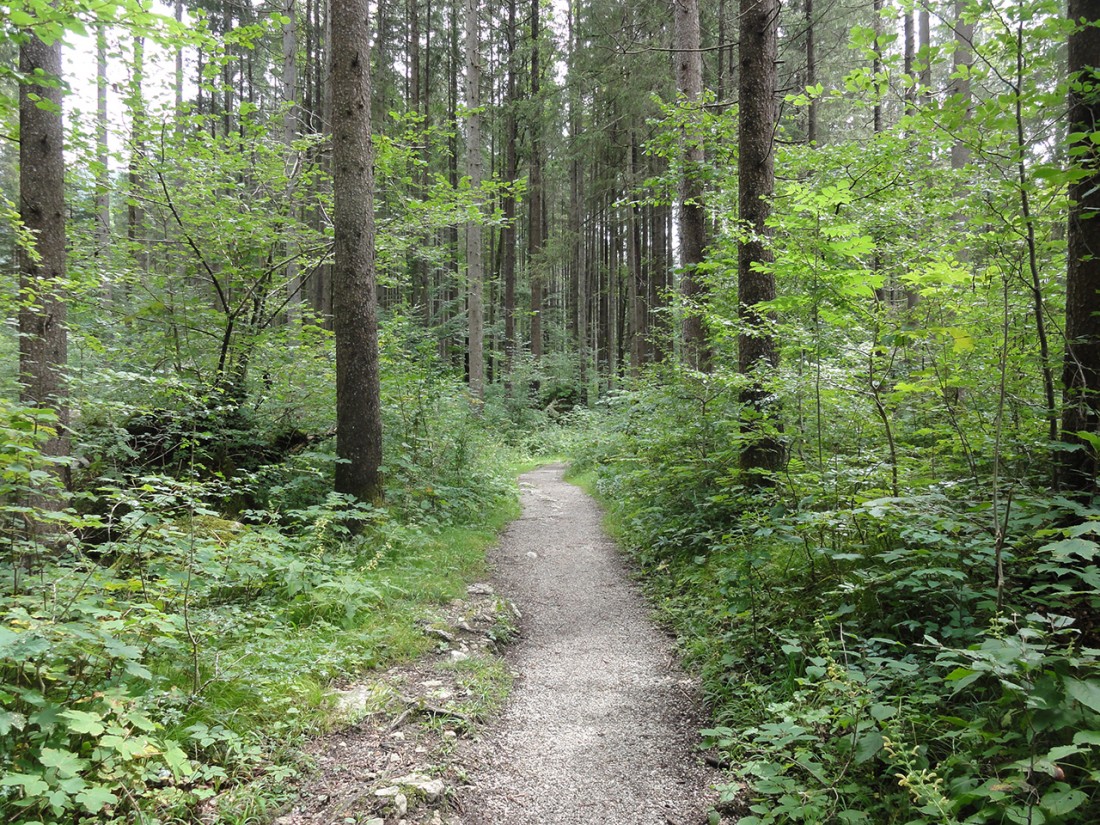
(103, 172)
(178, 80)
(757, 352)
(811, 74)
(354, 304)
(475, 267)
(511, 173)
(325, 288)
(638, 289)
(447, 347)
(876, 65)
(924, 52)
(419, 274)
(576, 207)
(907, 60)
(960, 84)
(536, 238)
(661, 338)
(290, 133)
(1081, 371)
(135, 212)
(689, 79)
(723, 69)
(43, 341)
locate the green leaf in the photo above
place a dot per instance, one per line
(1083, 548)
(32, 784)
(1084, 527)
(95, 798)
(1061, 752)
(82, 721)
(962, 676)
(1059, 802)
(867, 746)
(882, 712)
(1085, 692)
(72, 785)
(177, 760)
(20, 18)
(66, 763)
(10, 720)
(1087, 737)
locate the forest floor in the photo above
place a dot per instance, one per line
(601, 724)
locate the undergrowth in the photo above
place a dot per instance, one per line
(867, 657)
(168, 639)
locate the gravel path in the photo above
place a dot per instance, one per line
(601, 724)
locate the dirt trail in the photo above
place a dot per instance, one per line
(601, 725)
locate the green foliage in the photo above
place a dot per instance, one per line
(863, 659)
(177, 641)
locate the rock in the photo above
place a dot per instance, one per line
(450, 734)
(376, 821)
(433, 683)
(443, 635)
(387, 793)
(397, 735)
(459, 656)
(531, 554)
(480, 589)
(401, 804)
(432, 789)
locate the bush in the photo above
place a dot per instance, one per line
(868, 659)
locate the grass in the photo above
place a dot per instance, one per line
(489, 682)
(267, 668)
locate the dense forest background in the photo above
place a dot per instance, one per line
(806, 292)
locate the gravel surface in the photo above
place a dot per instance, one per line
(601, 727)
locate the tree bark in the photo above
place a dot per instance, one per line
(536, 224)
(876, 65)
(577, 235)
(811, 73)
(638, 291)
(960, 84)
(178, 81)
(450, 275)
(907, 60)
(757, 352)
(290, 133)
(355, 322)
(103, 172)
(135, 212)
(1081, 370)
(689, 79)
(475, 267)
(419, 274)
(43, 339)
(511, 173)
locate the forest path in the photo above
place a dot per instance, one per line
(601, 725)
